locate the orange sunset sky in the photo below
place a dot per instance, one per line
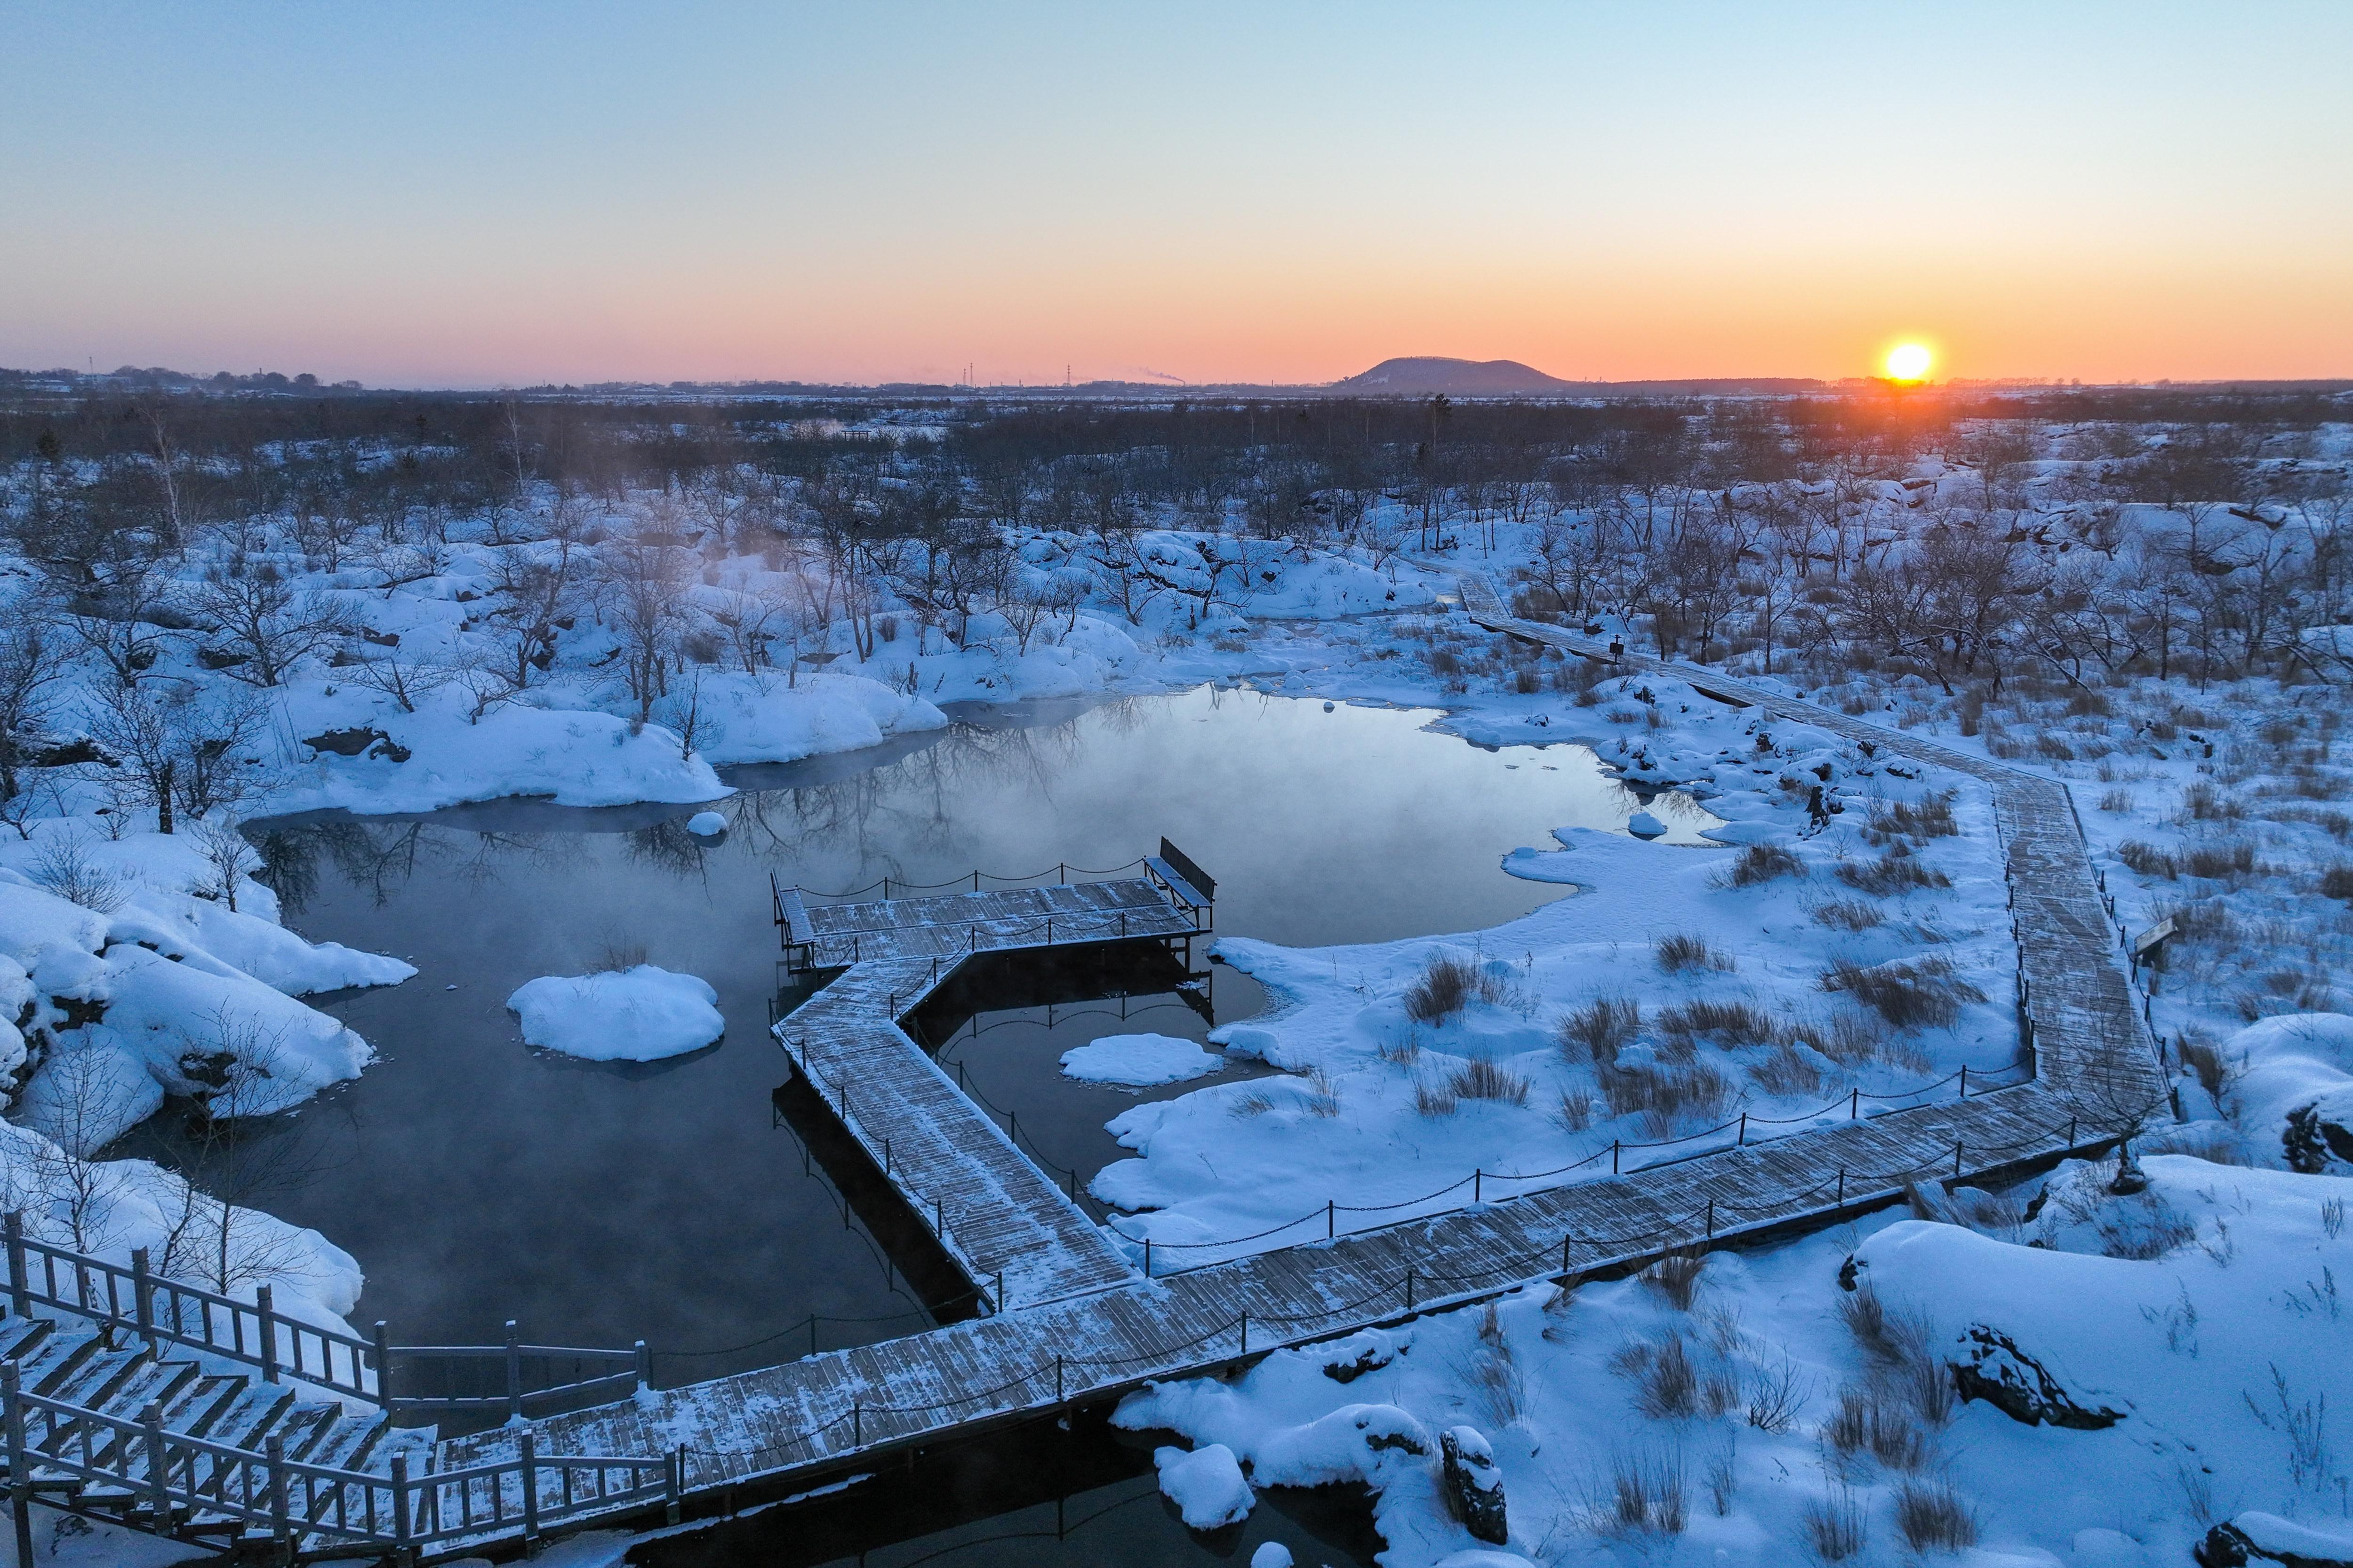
(455, 195)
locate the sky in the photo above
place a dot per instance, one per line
(430, 194)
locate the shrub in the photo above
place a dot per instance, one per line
(1776, 1395)
(1601, 1028)
(1447, 984)
(2336, 882)
(1921, 992)
(2205, 1059)
(1846, 915)
(1894, 872)
(1931, 1516)
(1433, 1098)
(1645, 1495)
(1682, 951)
(1480, 1079)
(1322, 1097)
(2116, 801)
(65, 868)
(2147, 859)
(1762, 863)
(1577, 1107)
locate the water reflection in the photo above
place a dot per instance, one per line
(476, 1180)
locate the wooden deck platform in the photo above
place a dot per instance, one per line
(1075, 1318)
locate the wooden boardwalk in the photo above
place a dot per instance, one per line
(1074, 1318)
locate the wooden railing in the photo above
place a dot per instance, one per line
(162, 1311)
(183, 1482)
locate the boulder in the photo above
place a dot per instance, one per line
(2311, 1138)
(1992, 1368)
(1474, 1485)
(2257, 1538)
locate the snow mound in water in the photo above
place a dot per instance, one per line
(706, 825)
(1138, 1061)
(1206, 1484)
(640, 1014)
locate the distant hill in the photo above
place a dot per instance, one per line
(1424, 375)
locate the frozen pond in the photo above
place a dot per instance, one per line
(477, 1180)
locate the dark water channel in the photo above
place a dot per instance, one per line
(690, 1202)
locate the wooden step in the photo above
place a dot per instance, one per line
(61, 1356)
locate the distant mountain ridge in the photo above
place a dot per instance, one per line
(1425, 375)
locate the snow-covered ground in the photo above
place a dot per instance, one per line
(1801, 1401)
(1817, 924)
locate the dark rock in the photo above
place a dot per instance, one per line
(1474, 1486)
(69, 755)
(1995, 1370)
(2310, 1139)
(381, 639)
(221, 657)
(1357, 1354)
(352, 743)
(345, 742)
(74, 1013)
(2266, 1538)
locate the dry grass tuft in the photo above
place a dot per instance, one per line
(1834, 1527)
(1931, 1516)
(1600, 1028)
(1912, 994)
(1676, 1277)
(1448, 984)
(1931, 819)
(1846, 915)
(1897, 872)
(1480, 1079)
(1682, 950)
(1662, 1097)
(1759, 863)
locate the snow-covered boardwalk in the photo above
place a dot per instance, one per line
(1078, 1319)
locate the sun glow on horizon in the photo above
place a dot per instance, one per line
(1909, 361)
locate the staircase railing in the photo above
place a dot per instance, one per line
(253, 1333)
(182, 1484)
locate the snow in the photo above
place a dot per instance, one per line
(2185, 1341)
(706, 824)
(1206, 1484)
(1271, 1554)
(1139, 1061)
(641, 1013)
(2289, 1063)
(760, 719)
(1383, 1133)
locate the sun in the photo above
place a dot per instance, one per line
(1908, 362)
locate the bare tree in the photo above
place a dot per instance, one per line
(640, 583)
(180, 747)
(259, 614)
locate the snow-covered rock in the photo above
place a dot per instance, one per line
(638, 1015)
(1139, 1061)
(2294, 1093)
(707, 823)
(1207, 1484)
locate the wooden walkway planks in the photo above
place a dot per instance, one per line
(2097, 1075)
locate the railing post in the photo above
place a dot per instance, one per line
(1841, 1186)
(674, 1484)
(1478, 1180)
(1740, 1139)
(1327, 1219)
(400, 1509)
(383, 1364)
(1000, 1291)
(645, 1367)
(1964, 1080)
(20, 1462)
(1711, 1219)
(1057, 1380)
(1957, 1158)
(281, 1525)
(142, 1298)
(514, 1371)
(857, 1425)
(159, 1468)
(20, 1289)
(264, 1311)
(1853, 1103)
(1408, 1288)
(529, 1445)
(1613, 1157)
(1147, 1254)
(1245, 1333)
